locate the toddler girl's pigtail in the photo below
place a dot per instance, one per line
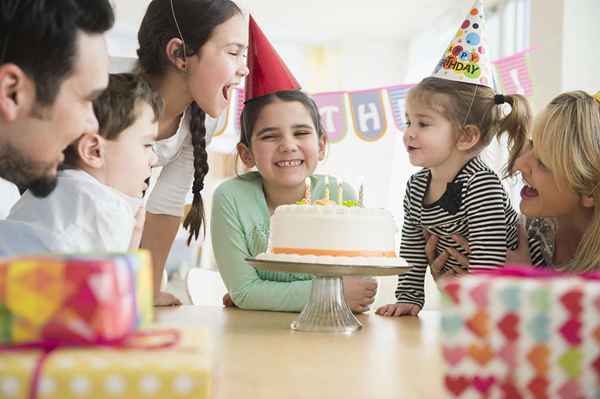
(195, 217)
(516, 124)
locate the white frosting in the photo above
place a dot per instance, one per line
(332, 228)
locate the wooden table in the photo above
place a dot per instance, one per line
(256, 355)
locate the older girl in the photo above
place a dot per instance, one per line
(193, 53)
(283, 138)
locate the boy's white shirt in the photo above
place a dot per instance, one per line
(9, 195)
(81, 215)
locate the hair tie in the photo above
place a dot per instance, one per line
(499, 99)
(597, 96)
(197, 188)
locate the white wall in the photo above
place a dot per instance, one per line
(547, 29)
(580, 50)
(564, 34)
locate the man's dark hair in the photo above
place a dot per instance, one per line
(40, 37)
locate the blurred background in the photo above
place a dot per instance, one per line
(353, 45)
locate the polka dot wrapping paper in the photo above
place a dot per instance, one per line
(183, 371)
(74, 299)
(521, 333)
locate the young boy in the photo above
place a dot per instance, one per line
(97, 205)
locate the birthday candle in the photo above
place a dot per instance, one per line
(361, 195)
(327, 195)
(307, 193)
(340, 193)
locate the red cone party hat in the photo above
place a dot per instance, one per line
(268, 72)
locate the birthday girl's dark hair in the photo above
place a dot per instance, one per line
(253, 108)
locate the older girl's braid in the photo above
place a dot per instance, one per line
(195, 217)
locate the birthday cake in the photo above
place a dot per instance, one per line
(332, 234)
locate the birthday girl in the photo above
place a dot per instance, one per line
(282, 137)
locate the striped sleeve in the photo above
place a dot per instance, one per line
(535, 239)
(485, 202)
(412, 248)
(536, 256)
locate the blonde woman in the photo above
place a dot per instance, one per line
(561, 172)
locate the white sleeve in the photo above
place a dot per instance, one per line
(9, 195)
(174, 183)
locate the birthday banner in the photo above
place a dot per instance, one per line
(368, 113)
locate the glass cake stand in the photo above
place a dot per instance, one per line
(326, 310)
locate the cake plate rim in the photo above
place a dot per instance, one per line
(323, 269)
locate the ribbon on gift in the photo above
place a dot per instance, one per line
(534, 272)
(144, 340)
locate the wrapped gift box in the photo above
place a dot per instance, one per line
(183, 371)
(74, 299)
(521, 333)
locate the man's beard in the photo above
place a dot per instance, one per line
(38, 177)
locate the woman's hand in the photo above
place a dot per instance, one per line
(437, 262)
(359, 292)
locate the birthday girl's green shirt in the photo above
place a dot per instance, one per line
(240, 225)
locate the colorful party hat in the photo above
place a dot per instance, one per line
(467, 58)
(268, 73)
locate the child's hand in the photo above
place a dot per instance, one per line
(166, 299)
(399, 309)
(359, 293)
(228, 302)
(138, 228)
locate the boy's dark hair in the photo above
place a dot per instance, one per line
(115, 108)
(197, 20)
(40, 37)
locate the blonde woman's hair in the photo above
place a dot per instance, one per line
(466, 104)
(569, 146)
